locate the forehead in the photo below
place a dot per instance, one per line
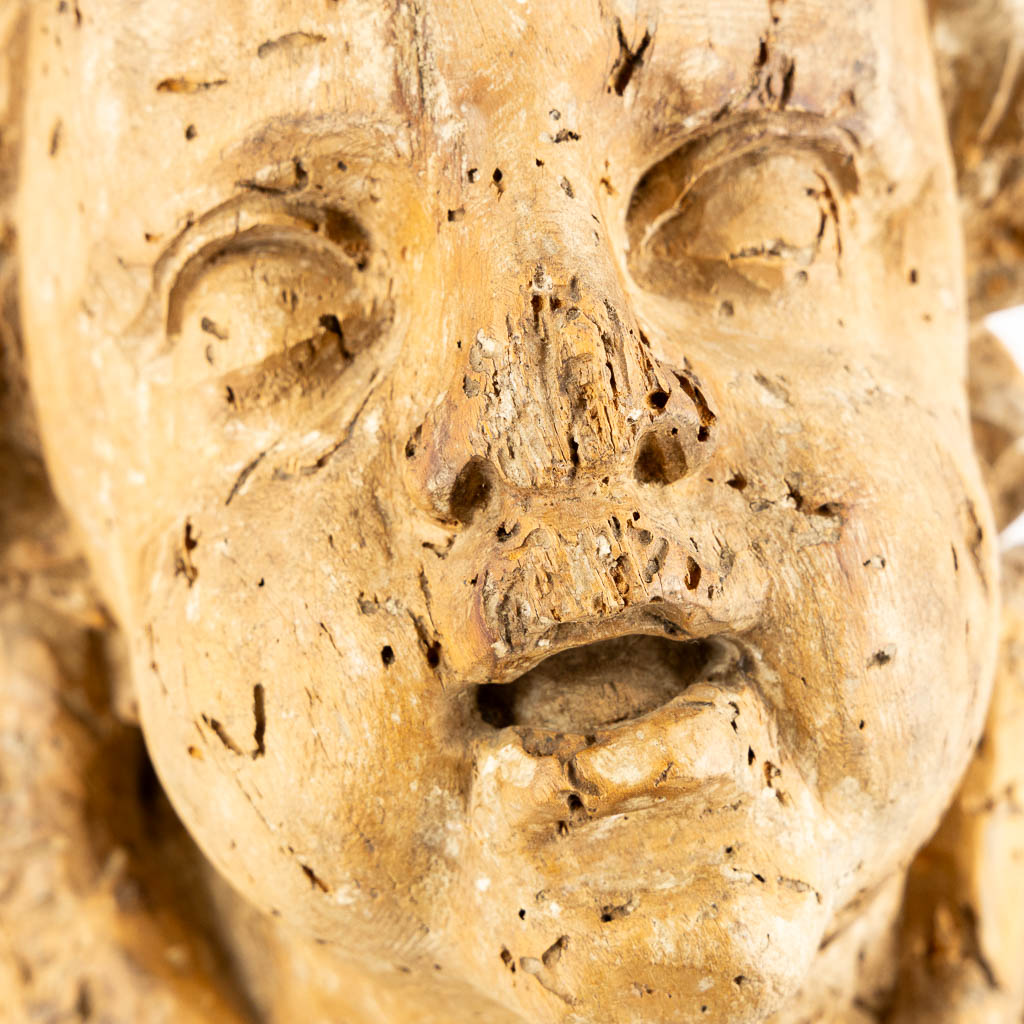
(175, 98)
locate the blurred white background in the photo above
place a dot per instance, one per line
(1008, 326)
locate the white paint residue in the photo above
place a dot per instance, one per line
(453, 836)
(314, 78)
(619, 767)
(371, 423)
(662, 943)
(488, 345)
(346, 894)
(507, 407)
(192, 603)
(512, 765)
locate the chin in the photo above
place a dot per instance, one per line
(642, 849)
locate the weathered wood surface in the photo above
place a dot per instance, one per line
(517, 467)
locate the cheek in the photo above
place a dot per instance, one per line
(290, 704)
(881, 634)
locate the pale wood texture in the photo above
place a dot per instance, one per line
(515, 461)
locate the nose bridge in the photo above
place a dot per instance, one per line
(559, 392)
(561, 387)
(579, 373)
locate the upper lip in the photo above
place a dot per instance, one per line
(652, 618)
(606, 575)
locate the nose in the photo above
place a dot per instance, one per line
(566, 396)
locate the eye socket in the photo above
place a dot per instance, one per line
(274, 310)
(721, 217)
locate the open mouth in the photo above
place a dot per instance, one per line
(621, 726)
(599, 684)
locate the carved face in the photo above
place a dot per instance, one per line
(525, 446)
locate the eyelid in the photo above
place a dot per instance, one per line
(261, 238)
(655, 201)
(249, 221)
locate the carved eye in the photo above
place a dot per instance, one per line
(763, 215)
(272, 312)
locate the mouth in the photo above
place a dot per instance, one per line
(599, 685)
(639, 771)
(622, 725)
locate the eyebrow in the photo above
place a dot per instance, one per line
(272, 141)
(273, 157)
(272, 189)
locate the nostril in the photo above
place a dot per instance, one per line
(504, 533)
(660, 458)
(471, 490)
